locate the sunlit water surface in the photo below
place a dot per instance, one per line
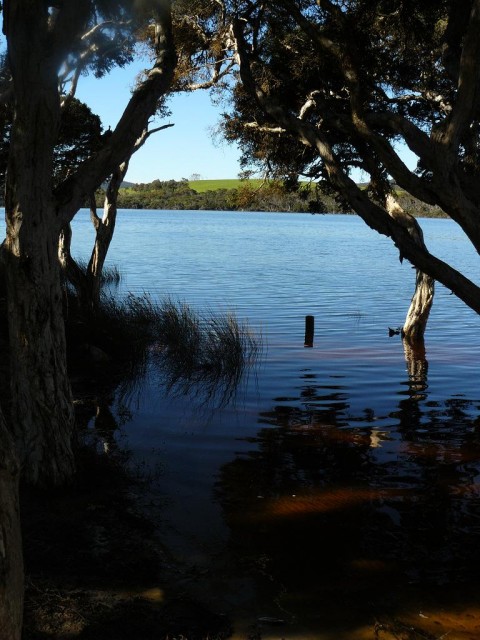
(340, 488)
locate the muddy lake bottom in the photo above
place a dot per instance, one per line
(336, 494)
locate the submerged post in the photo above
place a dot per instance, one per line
(309, 330)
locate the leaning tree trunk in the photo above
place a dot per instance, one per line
(42, 410)
(104, 229)
(417, 316)
(11, 562)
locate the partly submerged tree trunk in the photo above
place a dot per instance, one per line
(422, 300)
(42, 410)
(11, 562)
(417, 316)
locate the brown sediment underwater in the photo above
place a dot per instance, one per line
(326, 501)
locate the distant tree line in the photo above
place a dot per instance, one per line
(273, 195)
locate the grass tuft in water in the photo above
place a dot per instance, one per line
(192, 352)
(204, 350)
(111, 274)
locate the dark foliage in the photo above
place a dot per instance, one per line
(80, 135)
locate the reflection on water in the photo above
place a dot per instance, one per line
(341, 492)
(345, 523)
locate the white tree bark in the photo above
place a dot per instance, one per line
(422, 299)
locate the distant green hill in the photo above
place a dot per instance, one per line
(254, 194)
(200, 186)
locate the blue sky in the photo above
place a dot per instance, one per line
(185, 149)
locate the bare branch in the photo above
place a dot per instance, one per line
(309, 104)
(73, 87)
(217, 75)
(76, 68)
(103, 25)
(264, 128)
(146, 134)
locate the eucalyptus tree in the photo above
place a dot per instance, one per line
(49, 46)
(326, 86)
(45, 41)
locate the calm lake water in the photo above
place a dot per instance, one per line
(341, 487)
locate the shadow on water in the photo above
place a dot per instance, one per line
(350, 526)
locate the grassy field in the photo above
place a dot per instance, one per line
(200, 186)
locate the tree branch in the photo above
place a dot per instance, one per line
(446, 188)
(217, 75)
(70, 22)
(264, 128)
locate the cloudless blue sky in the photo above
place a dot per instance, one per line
(178, 152)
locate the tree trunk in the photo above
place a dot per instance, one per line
(72, 272)
(416, 321)
(104, 233)
(422, 300)
(42, 410)
(11, 561)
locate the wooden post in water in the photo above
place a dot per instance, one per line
(309, 330)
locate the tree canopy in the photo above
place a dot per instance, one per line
(327, 86)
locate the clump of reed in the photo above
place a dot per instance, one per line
(111, 274)
(205, 352)
(191, 351)
(115, 339)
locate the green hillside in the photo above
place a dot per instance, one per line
(201, 186)
(244, 195)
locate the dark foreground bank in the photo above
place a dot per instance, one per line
(94, 563)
